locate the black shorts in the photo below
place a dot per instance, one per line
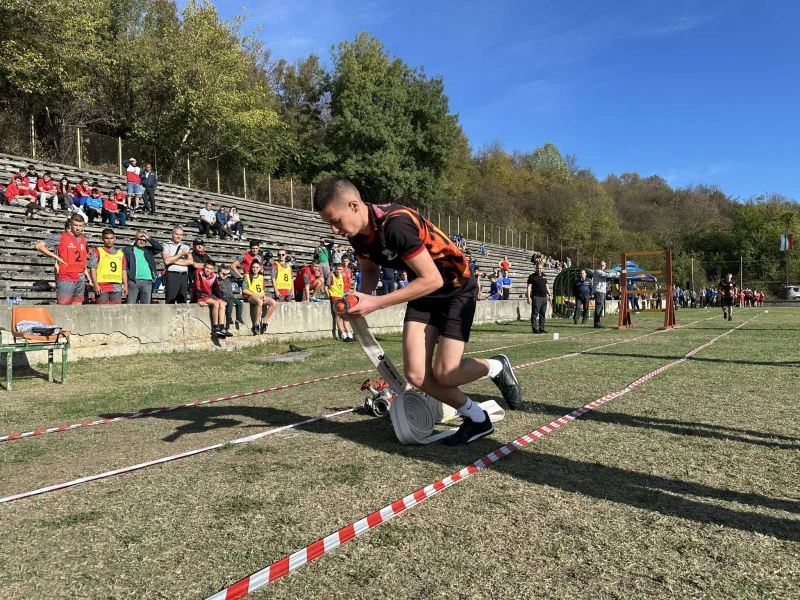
(452, 316)
(727, 301)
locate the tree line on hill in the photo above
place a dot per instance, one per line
(193, 84)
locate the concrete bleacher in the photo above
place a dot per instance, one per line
(296, 230)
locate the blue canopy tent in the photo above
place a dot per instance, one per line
(631, 270)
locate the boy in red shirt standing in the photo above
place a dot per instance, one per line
(69, 249)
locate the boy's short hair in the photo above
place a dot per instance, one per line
(210, 262)
(330, 189)
(337, 265)
(107, 231)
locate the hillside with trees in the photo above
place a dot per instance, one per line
(193, 85)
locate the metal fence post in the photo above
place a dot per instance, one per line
(291, 192)
(33, 138)
(269, 188)
(119, 154)
(439, 220)
(80, 150)
(484, 232)
(218, 187)
(448, 225)
(188, 173)
(244, 181)
(311, 206)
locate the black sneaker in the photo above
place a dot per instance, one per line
(506, 382)
(226, 332)
(730, 318)
(470, 431)
(236, 324)
(264, 327)
(255, 329)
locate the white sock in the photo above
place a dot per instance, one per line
(473, 411)
(495, 367)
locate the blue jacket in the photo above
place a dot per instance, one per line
(149, 255)
(583, 288)
(149, 182)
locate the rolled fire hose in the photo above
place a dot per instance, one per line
(413, 413)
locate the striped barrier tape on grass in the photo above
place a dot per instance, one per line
(323, 546)
(156, 411)
(243, 440)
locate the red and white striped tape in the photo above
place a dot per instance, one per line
(323, 546)
(244, 440)
(155, 411)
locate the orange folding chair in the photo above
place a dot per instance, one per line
(30, 342)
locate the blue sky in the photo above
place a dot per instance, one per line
(697, 92)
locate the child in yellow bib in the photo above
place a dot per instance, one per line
(335, 289)
(282, 280)
(253, 292)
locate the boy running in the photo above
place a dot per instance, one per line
(727, 292)
(441, 296)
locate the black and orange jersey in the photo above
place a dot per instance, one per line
(398, 233)
(727, 288)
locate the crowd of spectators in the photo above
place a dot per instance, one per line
(35, 193)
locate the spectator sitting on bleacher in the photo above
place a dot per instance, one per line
(235, 223)
(109, 271)
(113, 212)
(199, 258)
(64, 194)
(32, 176)
(282, 278)
(308, 282)
(231, 301)
(82, 192)
(134, 182)
(142, 271)
(254, 293)
(47, 191)
(495, 288)
(209, 223)
(244, 260)
(17, 194)
(338, 254)
(23, 175)
(93, 206)
(483, 249)
(177, 258)
(207, 292)
(69, 249)
(222, 220)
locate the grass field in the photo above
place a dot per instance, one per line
(687, 487)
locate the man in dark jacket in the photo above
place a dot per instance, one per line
(583, 292)
(142, 271)
(388, 279)
(149, 184)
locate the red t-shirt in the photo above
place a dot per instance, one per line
(45, 186)
(110, 204)
(81, 191)
(12, 191)
(504, 265)
(119, 196)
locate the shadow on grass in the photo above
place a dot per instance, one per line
(596, 480)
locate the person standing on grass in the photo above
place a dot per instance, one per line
(600, 279)
(244, 260)
(142, 271)
(583, 293)
(254, 292)
(177, 258)
(109, 271)
(538, 294)
(282, 281)
(70, 251)
(208, 293)
(727, 294)
(231, 301)
(335, 288)
(441, 299)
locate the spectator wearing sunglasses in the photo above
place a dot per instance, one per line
(282, 280)
(141, 266)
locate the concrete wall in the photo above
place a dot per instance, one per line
(99, 331)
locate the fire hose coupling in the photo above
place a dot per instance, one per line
(344, 304)
(378, 404)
